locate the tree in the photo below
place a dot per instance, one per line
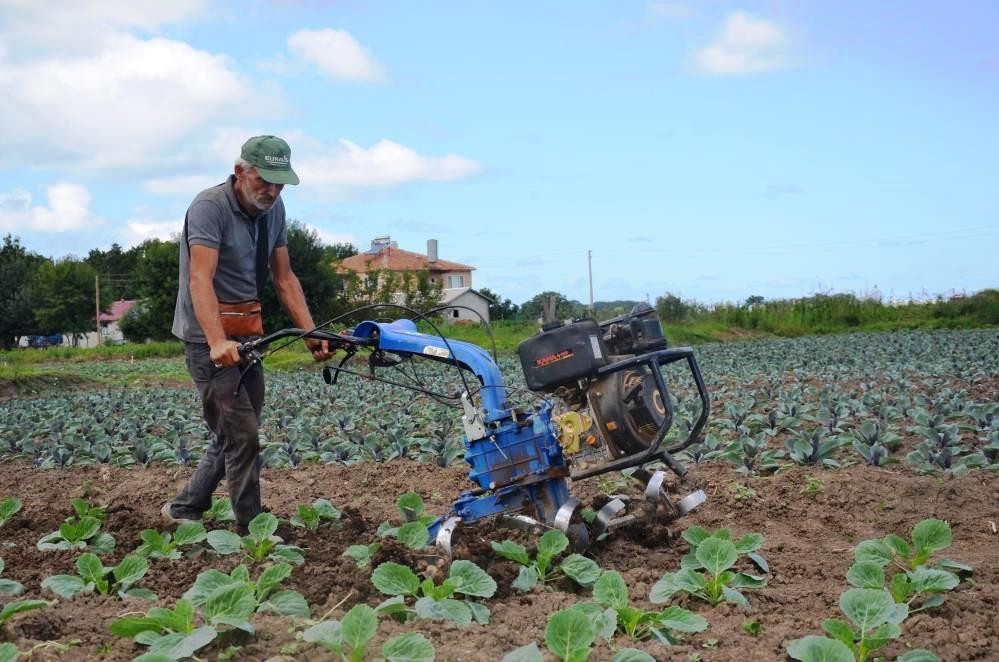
(672, 308)
(417, 289)
(312, 263)
(67, 292)
(336, 252)
(116, 270)
(499, 308)
(563, 309)
(413, 289)
(19, 295)
(155, 278)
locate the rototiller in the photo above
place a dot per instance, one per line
(612, 412)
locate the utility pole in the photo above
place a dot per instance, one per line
(548, 309)
(97, 306)
(589, 262)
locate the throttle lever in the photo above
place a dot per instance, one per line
(249, 352)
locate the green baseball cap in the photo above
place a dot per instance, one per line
(271, 156)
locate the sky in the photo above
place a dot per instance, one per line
(711, 150)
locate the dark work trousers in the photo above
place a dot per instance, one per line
(234, 452)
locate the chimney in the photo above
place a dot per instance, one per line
(431, 250)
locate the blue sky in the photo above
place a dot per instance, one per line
(713, 150)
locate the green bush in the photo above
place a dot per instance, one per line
(982, 307)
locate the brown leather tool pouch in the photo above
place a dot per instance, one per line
(241, 319)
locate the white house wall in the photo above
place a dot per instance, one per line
(472, 301)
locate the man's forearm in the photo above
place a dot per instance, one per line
(206, 310)
(292, 298)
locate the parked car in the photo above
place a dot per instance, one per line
(45, 341)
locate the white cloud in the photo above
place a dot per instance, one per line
(331, 237)
(336, 53)
(68, 208)
(72, 25)
(330, 172)
(746, 45)
(139, 230)
(384, 164)
(119, 106)
(182, 184)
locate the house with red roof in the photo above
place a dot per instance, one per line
(110, 331)
(455, 278)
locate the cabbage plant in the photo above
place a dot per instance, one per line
(542, 569)
(94, 577)
(9, 507)
(347, 640)
(707, 573)
(259, 544)
(435, 601)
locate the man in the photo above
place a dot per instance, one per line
(232, 233)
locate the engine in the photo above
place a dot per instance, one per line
(606, 414)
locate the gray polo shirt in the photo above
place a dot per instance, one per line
(215, 220)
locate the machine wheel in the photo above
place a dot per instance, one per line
(569, 521)
(445, 538)
(656, 497)
(605, 515)
(579, 536)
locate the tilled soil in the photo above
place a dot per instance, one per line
(809, 539)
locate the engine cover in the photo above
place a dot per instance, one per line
(562, 356)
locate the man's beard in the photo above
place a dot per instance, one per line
(261, 202)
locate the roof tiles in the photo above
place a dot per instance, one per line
(397, 259)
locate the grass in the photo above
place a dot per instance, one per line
(292, 357)
(25, 381)
(125, 351)
(141, 371)
(13, 372)
(705, 331)
(507, 334)
(839, 313)
(819, 314)
(42, 369)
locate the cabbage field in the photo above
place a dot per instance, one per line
(852, 485)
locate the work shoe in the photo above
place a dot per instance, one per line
(170, 519)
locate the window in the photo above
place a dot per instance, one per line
(454, 314)
(455, 281)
